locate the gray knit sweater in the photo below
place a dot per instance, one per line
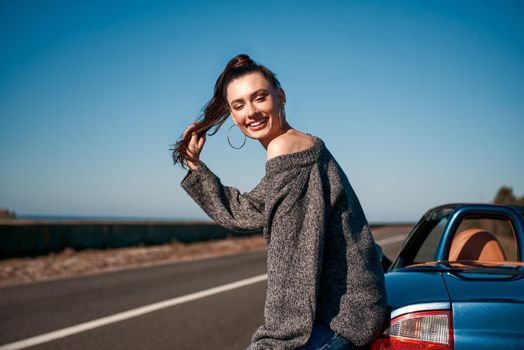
(322, 263)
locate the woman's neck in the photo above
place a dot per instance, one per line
(285, 129)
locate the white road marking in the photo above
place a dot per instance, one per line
(65, 332)
(391, 240)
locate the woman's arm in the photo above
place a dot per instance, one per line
(226, 205)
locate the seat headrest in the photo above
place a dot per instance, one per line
(476, 244)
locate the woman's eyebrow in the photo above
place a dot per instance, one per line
(254, 94)
(258, 92)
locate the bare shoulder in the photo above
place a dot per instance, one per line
(291, 142)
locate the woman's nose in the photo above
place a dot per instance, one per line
(251, 110)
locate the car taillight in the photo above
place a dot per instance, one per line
(418, 331)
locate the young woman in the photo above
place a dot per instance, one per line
(325, 282)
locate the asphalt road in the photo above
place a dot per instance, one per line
(225, 319)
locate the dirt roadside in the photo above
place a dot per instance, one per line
(77, 263)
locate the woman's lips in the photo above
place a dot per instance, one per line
(257, 124)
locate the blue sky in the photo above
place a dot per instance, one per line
(421, 102)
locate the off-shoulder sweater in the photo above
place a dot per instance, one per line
(322, 262)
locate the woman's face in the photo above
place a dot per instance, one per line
(255, 107)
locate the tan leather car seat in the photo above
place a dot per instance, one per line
(476, 244)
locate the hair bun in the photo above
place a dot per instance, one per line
(240, 61)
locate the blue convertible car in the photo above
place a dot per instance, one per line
(458, 281)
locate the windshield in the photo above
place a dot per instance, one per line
(429, 246)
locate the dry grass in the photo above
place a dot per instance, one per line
(76, 263)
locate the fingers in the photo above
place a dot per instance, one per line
(195, 145)
(196, 142)
(193, 142)
(201, 141)
(189, 129)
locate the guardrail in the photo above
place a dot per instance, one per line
(38, 237)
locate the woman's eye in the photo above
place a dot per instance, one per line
(237, 108)
(260, 98)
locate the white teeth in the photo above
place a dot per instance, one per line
(256, 123)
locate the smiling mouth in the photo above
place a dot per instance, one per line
(257, 124)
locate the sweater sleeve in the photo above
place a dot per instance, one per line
(295, 219)
(226, 205)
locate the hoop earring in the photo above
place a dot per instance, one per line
(229, 141)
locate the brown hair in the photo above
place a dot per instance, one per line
(216, 110)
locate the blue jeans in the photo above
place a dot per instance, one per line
(323, 338)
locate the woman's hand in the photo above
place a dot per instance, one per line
(196, 143)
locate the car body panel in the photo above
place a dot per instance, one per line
(409, 288)
(464, 286)
(484, 309)
(487, 324)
